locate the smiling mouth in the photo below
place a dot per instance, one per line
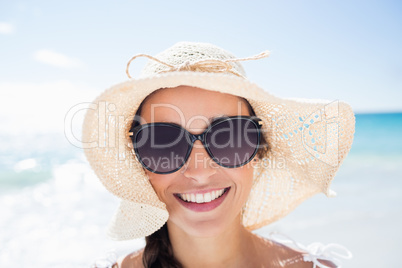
(202, 198)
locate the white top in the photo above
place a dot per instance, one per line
(315, 251)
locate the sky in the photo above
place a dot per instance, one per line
(57, 54)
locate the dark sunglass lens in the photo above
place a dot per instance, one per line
(161, 148)
(233, 142)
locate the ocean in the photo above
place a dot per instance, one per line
(54, 211)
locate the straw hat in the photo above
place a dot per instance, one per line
(308, 139)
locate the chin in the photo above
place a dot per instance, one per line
(203, 227)
(207, 229)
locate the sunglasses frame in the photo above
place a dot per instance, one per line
(191, 138)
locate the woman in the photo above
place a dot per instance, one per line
(200, 156)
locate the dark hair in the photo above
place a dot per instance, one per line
(158, 252)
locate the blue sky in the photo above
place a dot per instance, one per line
(70, 51)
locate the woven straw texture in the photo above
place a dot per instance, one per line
(308, 140)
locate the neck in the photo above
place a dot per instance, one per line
(225, 249)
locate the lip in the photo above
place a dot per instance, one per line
(204, 207)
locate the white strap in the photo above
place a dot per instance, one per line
(107, 262)
(331, 252)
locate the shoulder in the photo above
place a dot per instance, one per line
(132, 260)
(279, 255)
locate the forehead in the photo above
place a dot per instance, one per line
(186, 106)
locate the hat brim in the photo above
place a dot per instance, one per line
(134, 220)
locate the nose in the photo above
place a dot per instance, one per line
(199, 166)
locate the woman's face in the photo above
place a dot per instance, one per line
(200, 177)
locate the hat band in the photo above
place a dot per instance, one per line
(207, 65)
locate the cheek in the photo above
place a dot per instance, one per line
(248, 181)
(160, 183)
(243, 179)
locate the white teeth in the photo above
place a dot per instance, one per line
(207, 197)
(202, 198)
(199, 198)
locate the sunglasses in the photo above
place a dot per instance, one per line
(164, 148)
